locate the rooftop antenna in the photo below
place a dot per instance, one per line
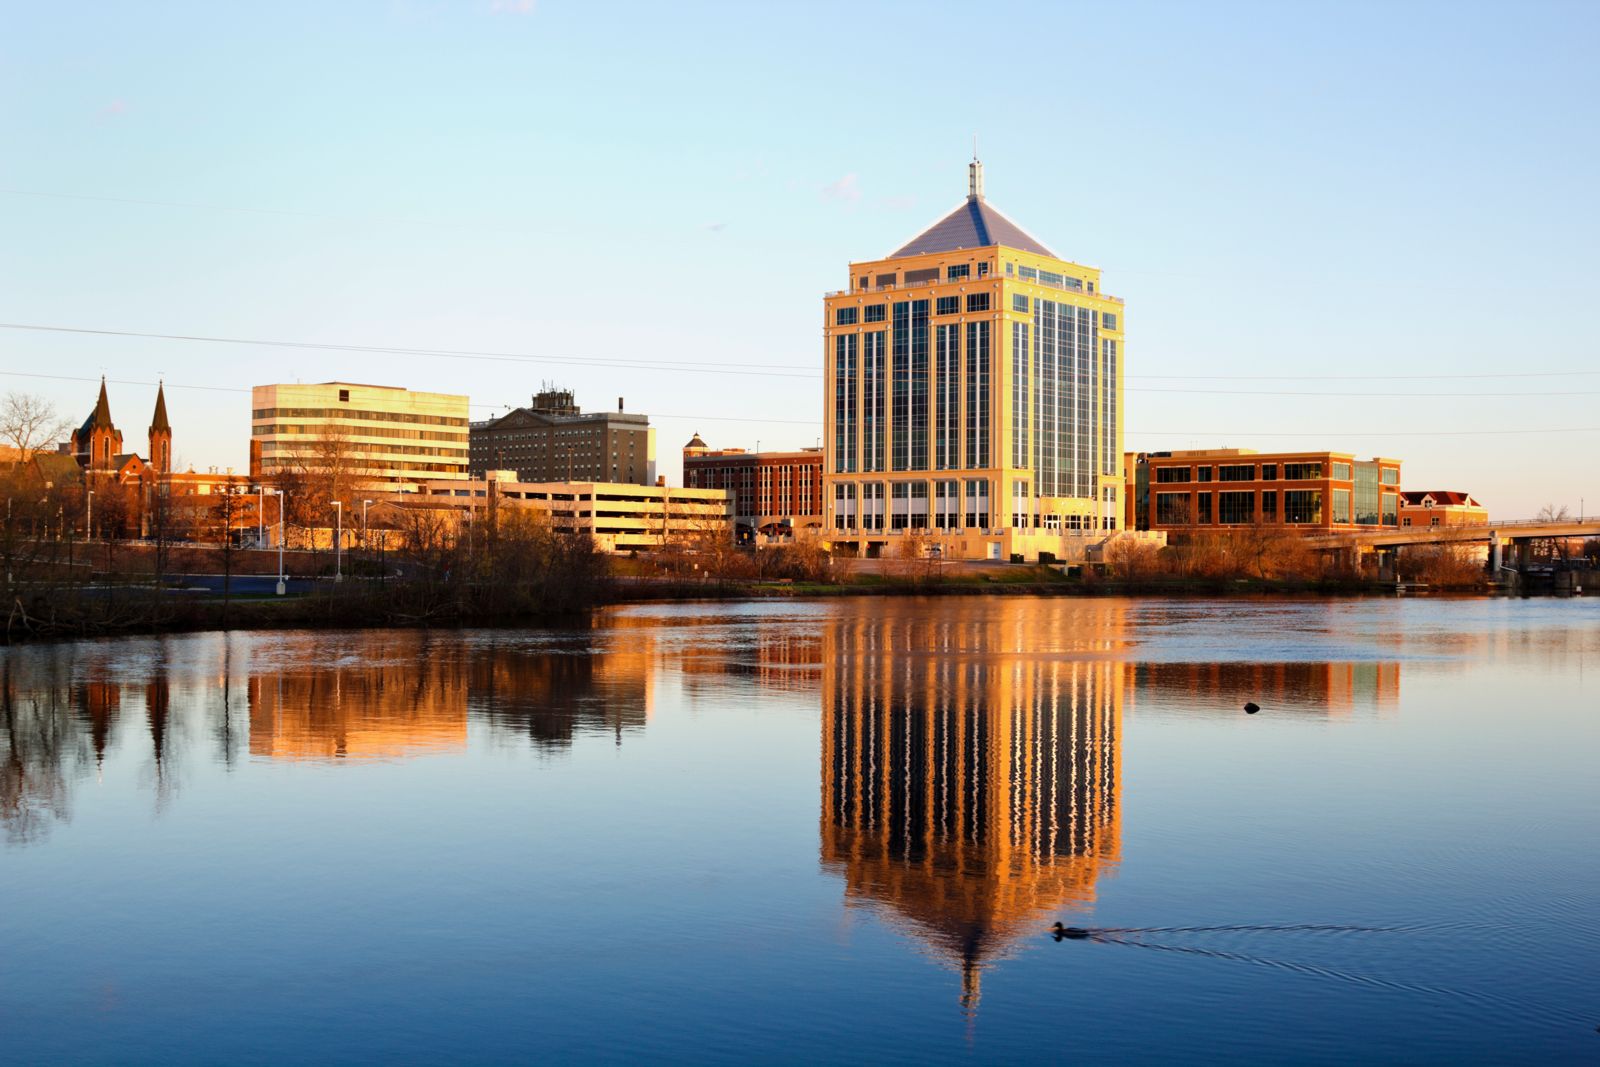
(975, 174)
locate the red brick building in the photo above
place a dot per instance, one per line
(776, 494)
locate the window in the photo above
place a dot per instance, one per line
(874, 313)
(1019, 303)
(1108, 321)
(1269, 472)
(1008, 270)
(885, 279)
(1235, 472)
(1203, 513)
(1300, 472)
(862, 282)
(1269, 506)
(977, 301)
(1341, 505)
(1028, 274)
(1172, 474)
(1236, 507)
(948, 305)
(845, 317)
(1172, 509)
(1341, 472)
(983, 269)
(957, 272)
(1391, 476)
(1204, 474)
(1302, 506)
(1391, 509)
(344, 396)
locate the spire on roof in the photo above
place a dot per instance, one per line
(102, 409)
(974, 224)
(160, 421)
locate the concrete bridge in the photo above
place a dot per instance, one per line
(1518, 534)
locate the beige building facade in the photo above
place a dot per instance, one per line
(620, 517)
(390, 439)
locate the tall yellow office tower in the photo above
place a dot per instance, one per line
(974, 396)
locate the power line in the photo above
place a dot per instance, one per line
(698, 367)
(818, 422)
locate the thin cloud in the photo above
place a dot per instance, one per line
(847, 188)
(513, 7)
(112, 111)
(716, 227)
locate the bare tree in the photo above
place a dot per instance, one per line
(29, 423)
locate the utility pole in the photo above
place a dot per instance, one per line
(338, 541)
(283, 585)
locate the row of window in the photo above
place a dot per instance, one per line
(949, 305)
(356, 413)
(1238, 507)
(1245, 472)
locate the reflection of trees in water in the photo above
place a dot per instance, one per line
(553, 697)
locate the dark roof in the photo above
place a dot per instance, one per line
(696, 442)
(160, 421)
(972, 225)
(99, 417)
(1440, 496)
(57, 467)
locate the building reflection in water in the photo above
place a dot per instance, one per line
(969, 784)
(372, 697)
(1323, 688)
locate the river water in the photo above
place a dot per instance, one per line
(815, 831)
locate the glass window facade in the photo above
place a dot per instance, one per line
(845, 316)
(978, 414)
(947, 305)
(1167, 475)
(977, 503)
(1236, 507)
(1203, 508)
(1019, 302)
(977, 301)
(1202, 474)
(845, 386)
(1366, 501)
(1172, 509)
(1301, 472)
(874, 312)
(909, 408)
(874, 400)
(1269, 472)
(1341, 473)
(1391, 476)
(1302, 506)
(947, 505)
(957, 271)
(1236, 472)
(947, 396)
(1341, 505)
(1021, 393)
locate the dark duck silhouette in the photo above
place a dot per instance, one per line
(1251, 707)
(1071, 933)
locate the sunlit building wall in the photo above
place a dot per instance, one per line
(973, 395)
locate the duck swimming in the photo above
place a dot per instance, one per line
(1075, 933)
(1251, 707)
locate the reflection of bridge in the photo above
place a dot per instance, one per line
(1518, 533)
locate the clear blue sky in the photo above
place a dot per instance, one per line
(1276, 189)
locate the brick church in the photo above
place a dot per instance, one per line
(97, 444)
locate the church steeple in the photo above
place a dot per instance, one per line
(161, 434)
(101, 418)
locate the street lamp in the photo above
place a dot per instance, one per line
(282, 495)
(364, 504)
(88, 518)
(261, 515)
(338, 541)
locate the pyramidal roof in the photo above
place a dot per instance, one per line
(99, 418)
(975, 224)
(160, 421)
